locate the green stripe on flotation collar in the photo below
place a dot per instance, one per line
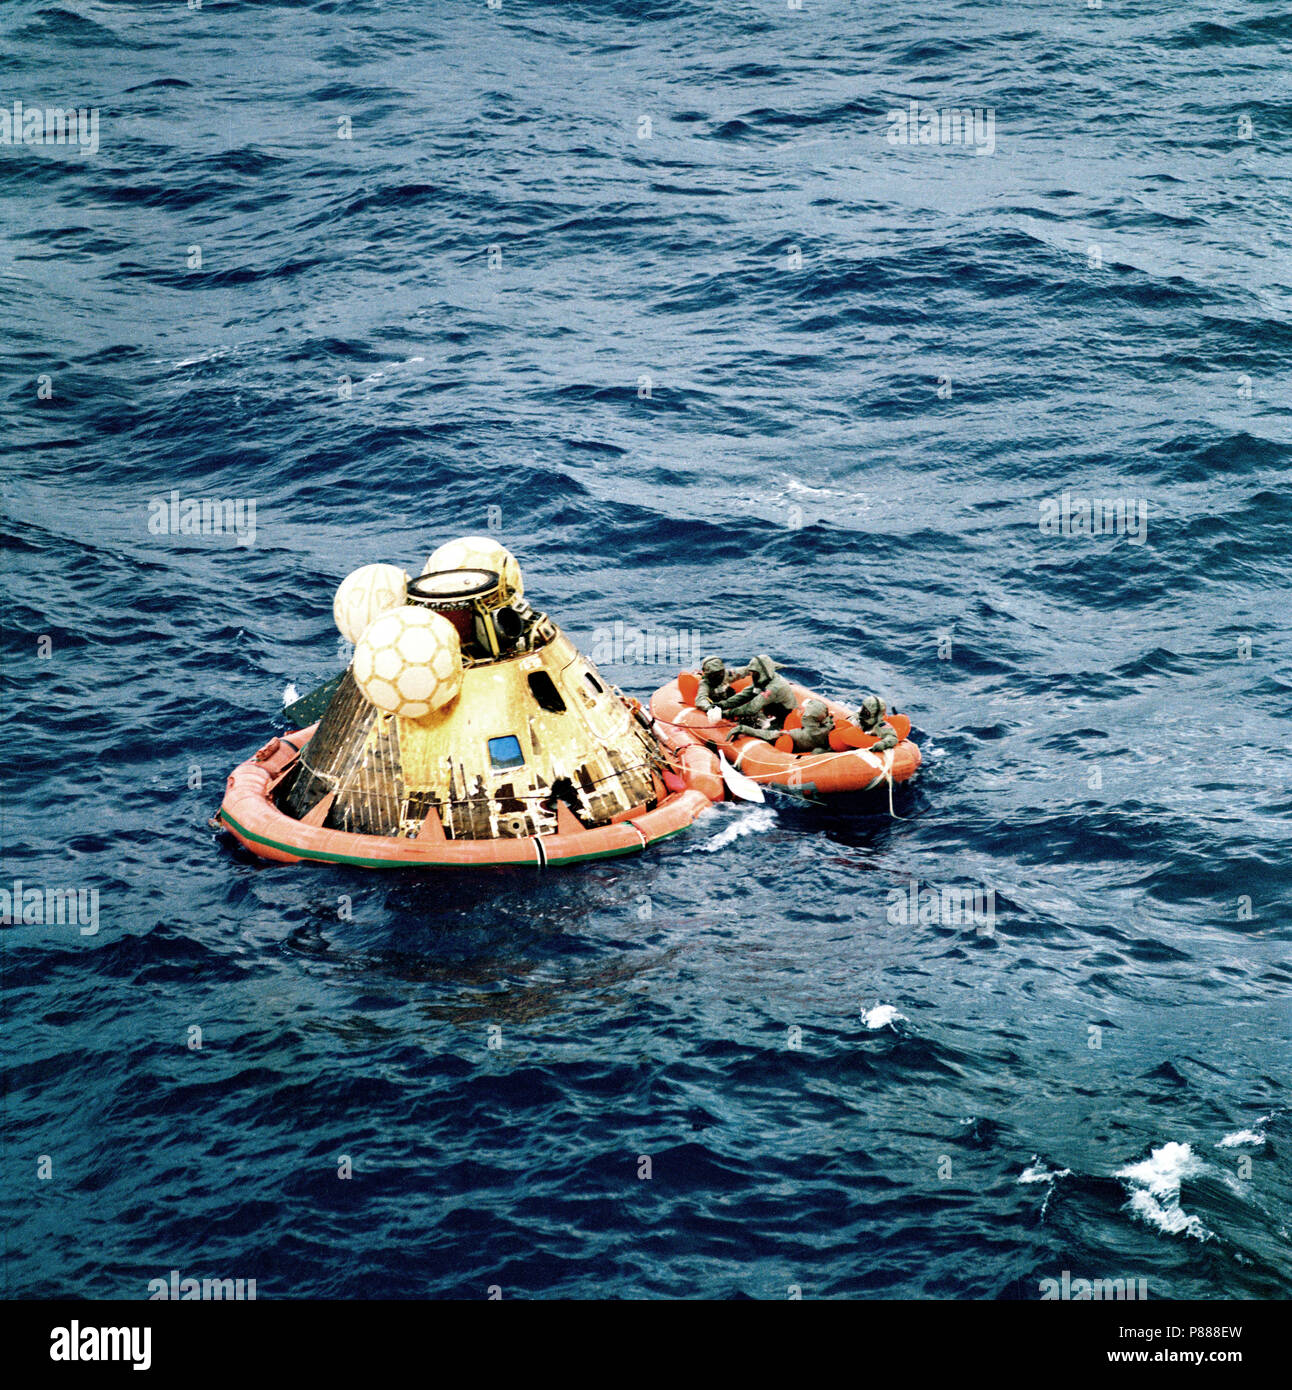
(331, 857)
(630, 849)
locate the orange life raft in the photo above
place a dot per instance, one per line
(251, 815)
(824, 774)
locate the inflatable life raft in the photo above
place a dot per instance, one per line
(468, 732)
(835, 773)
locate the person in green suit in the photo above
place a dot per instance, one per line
(870, 720)
(715, 686)
(770, 695)
(813, 737)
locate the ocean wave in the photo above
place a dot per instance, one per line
(1154, 1186)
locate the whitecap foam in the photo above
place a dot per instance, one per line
(289, 694)
(750, 823)
(1165, 1217)
(881, 1016)
(794, 484)
(1036, 1171)
(1154, 1189)
(202, 357)
(1240, 1137)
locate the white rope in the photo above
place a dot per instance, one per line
(888, 777)
(884, 762)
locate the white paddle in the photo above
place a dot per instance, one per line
(737, 783)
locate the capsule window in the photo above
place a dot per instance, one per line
(546, 693)
(505, 753)
(594, 682)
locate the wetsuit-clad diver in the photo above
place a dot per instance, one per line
(770, 695)
(870, 720)
(715, 686)
(813, 737)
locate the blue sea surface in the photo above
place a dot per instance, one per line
(653, 291)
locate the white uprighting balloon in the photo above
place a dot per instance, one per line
(478, 553)
(409, 662)
(366, 593)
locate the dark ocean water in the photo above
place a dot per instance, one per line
(869, 365)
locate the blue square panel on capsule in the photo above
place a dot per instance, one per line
(504, 753)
